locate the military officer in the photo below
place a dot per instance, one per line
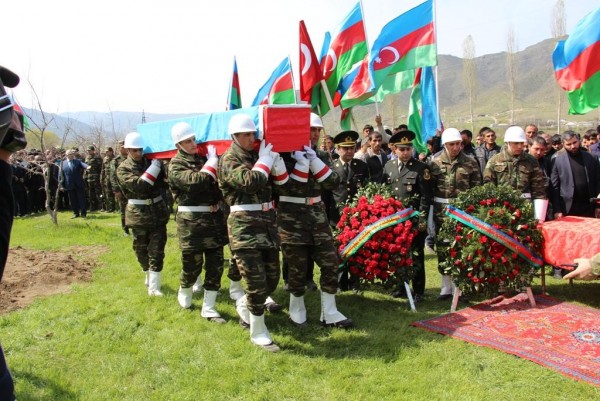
(120, 199)
(452, 172)
(94, 186)
(107, 191)
(201, 226)
(354, 174)
(514, 167)
(410, 181)
(244, 180)
(304, 228)
(142, 182)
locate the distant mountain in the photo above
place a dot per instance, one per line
(536, 101)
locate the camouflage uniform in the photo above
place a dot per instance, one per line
(304, 228)
(202, 234)
(252, 234)
(523, 173)
(92, 177)
(412, 185)
(449, 178)
(114, 183)
(107, 190)
(148, 221)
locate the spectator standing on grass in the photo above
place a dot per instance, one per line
(201, 226)
(304, 228)
(142, 182)
(94, 185)
(11, 126)
(247, 189)
(120, 199)
(487, 149)
(72, 182)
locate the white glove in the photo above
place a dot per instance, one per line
(310, 153)
(210, 167)
(265, 149)
(279, 171)
(319, 169)
(152, 172)
(265, 161)
(300, 172)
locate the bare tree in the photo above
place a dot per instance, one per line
(558, 30)
(511, 69)
(470, 75)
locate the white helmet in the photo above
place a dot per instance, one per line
(133, 140)
(181, 131)
(315, 121)
(515, 134)
(451, 135)
(241, 123)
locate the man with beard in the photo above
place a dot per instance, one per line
(575, 178)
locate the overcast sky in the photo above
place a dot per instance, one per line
(176, 56)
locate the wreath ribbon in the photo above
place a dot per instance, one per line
(497, 235)
(372, 229)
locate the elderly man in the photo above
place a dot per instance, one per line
(143, 182)
(410, 181)
(575, 178)
(244, 180)
(452, 172)
(72, 182)
(201, 226)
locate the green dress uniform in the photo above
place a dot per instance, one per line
(114, 183)
(107, 190)
(92, 177)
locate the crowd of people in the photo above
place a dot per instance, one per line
(261, 203)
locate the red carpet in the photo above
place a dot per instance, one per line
(556, 334)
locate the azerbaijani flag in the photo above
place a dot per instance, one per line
(310, 70)
(279, 89)
(317, 91)
(577, 64)
(423, 118)
(348, 46)
(405, 43)
(234, 99)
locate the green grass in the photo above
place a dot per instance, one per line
(107, 340)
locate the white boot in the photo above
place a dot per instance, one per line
(272, 306)
(208, 307)
(146, 278)
(235, 290)
(154, 280)
(241, 307)
(184, 296)
(197, 287)
(259, 334)
(447, 287)
(330, 316)
(297, 310)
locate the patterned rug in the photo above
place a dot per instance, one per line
(556, 334)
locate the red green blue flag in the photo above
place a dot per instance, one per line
(405, 43)
(423, 117)
(234, 99)
(577, 64)
(279, 89)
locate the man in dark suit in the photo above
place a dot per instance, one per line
(410, 180)
(354, 174)
(72, 170)
(575, 178)
(376, 157)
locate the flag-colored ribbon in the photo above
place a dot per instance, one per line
(372, 229)
(497, 235)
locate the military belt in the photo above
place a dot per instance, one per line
(144, 201)
(526, 195)
(210, 208)
(305, 201)
(442, 200)
(252, 207)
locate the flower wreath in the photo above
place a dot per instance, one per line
(494, 240)
(374, 236)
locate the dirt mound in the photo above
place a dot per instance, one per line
(31, 273)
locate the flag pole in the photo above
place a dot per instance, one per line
(435, 73)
